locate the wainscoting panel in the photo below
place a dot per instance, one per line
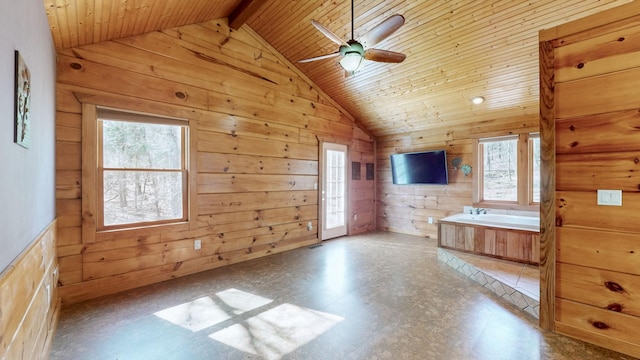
(29, 304)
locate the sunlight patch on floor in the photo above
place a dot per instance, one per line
(195, 315)
(277, 332)
(205, 312)
(271, 334)
(241, 301)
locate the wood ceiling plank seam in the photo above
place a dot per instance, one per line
(130, 17)
(196, 14)
(63, 22)
(72, 18)
(157, 8)
(190, 13)
(504, 30)
(480, 70)
(334, 19)
(52, 17)
(513, 104)
(142, 14)
(121, 14)
(193, 13)
(96, 21)
(81, 18)
(105, 20)
(477, 118)
(167, 14)
(210, 12)
(467, 107)
(113, 16)
(281, 32)
(468, 30)
(173, 11)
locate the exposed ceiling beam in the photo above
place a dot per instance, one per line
(243, 11)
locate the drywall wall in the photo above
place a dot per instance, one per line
(27, 178)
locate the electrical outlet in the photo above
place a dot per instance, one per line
(430, 220)
(310, 226)
(197, 244)
(355, 217)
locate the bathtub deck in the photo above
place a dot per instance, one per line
(515, 282)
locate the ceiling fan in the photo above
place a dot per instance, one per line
(353, 52)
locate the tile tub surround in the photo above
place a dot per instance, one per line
(517, 283)
(376, 296)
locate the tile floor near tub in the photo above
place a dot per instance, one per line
(373, 296)
(515, 282)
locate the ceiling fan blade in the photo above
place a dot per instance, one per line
(382, 31)
(384, 56)
(333, 37)
(322, 57)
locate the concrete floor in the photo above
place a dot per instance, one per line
(372, 296)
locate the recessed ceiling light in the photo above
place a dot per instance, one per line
(477, 100)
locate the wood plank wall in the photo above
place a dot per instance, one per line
(29, 304)
(595, 122)
(258, 123)
(406, 208)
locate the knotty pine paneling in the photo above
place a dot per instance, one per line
(256, 173)
(590, 131)
(406, 208)
(599, 326)
(601, 249)
(29, 300)
(611, 290)
(455, 50)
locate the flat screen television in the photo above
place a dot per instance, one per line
(425, 167)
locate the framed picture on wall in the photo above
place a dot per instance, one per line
(22, 128)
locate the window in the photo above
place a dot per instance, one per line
(534, 170)
(142, 167)
(508, 171)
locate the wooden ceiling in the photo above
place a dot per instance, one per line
(455, 49)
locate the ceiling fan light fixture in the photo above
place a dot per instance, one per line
(351, 61)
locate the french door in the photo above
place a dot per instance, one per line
(334, 191)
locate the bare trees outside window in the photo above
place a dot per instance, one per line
(142, 172)
(508, 170)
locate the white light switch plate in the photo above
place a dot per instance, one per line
(610, 197)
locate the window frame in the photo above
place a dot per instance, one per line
(524, 152)
(93, 228)
(110, 115)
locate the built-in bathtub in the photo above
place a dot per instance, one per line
(505, 236)
(516, 222)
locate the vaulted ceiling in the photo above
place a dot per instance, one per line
(455, 49)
